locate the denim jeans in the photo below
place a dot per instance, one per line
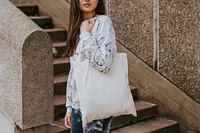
(96, 126)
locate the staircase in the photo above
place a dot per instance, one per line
(146, 122)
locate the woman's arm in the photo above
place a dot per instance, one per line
(101, 47)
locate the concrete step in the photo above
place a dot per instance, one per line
(61, 65)
(28, 8)
(118, 122)
(156, 125)
(42, 21)
(151, 126)
(60, 47)
(59, 106)
(145, 110)
(57, 126)
(134, 92)
(60, 82)
(57, 34)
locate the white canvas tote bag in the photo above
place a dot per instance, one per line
(102, 95)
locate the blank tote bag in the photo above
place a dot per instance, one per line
(102, 95)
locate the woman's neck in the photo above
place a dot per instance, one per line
(89, 15)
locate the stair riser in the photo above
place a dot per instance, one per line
(129, 119)
(61, 68)
(30, 10)
(145, 114)
(120, 121)
(65, 131)
(44, 23)
(58, 36)
(60, 88)
(171, 129)
(59, 110)
(60, 50)
(134, 94)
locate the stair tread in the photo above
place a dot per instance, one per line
(39, 17)
(142, 127)
(61, 61)
(59, 100)
(54, 29)
(60, 78)
(59, 44)
(141, 105)
(25, 4)
(147, 126)
(133, 87)
(56, 126)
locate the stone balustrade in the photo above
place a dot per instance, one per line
(26, 70)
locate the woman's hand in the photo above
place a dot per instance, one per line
(68, 120)
(87, 25)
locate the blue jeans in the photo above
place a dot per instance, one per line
(96, 126)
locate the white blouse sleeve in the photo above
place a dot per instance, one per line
(69, 91)
(99, 48)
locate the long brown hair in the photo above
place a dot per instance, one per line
(76, 17)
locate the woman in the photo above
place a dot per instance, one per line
(90, 36)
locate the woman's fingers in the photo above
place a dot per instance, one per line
(87, 25)
(92, 22)
(68, 120)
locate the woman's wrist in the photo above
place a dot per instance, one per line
(69, 109)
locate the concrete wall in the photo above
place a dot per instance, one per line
(180, 44)
(133, 24)
(164, 34)
(26, 70)
(172, 102)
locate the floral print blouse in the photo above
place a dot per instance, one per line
(98, 46)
